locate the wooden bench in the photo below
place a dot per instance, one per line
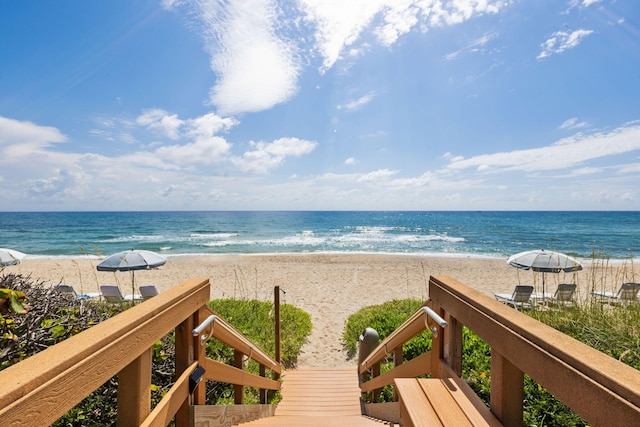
(441, 402)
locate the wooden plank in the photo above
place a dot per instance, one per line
(415, 367)
(172, 401)
(229, 415)
(443, 403)
(415, 408)
(474, 408)
(217, 371)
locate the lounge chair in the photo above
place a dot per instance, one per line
(148, 291)
(71, 290)
(521, 296)
(112, 294)
(563, 294)
(626, 294)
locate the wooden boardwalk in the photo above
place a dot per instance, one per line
(319, 397)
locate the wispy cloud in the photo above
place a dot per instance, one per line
(258, 54)
(357, 103)
(566, 153)
(474, 46)
(561, 41)
(573, 123)
(256, 68)
(266, 156)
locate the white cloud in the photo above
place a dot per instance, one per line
(565, 153)
(590, 2)
(377, 176)
(358, 103)
(256, 69)
(160, 121)
(267, 156)
(573, 123)
(474, 46)
(561, 41)
(340, 25)
(23, 137)
(258, 54)
(351, 161)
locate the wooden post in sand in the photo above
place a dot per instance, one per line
(276, 304)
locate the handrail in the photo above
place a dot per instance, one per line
(42, 388)
(411, 327)
(609, 389)
(233, 338)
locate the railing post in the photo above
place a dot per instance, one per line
(398, 358)
(184, 357)
(276, 305)
(437, 346)
(263, 391)
(238, 390)
(200, 354)
(453, 344)
(507, 390)
(134, 391)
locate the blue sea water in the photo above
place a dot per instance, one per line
(613, 235)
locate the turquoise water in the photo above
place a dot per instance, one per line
(476, 234)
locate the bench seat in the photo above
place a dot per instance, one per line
(441, 402)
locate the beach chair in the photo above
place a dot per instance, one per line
(626, 294)
(68, 289)
(112, 293)
(521, 296)
(148, 291)
(563, 295)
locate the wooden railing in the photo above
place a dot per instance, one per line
(600, 389)
(42, 388)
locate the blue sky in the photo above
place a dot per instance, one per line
(320, 104)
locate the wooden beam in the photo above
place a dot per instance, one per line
(507, 391)
(134, 391)
(217, 371)
(417, 366)
(164, 411)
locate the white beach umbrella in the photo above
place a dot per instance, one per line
(130, 261)
(545, 262)
(10, 257)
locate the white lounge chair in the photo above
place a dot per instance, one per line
(521, 296)
(563, 294)
(626, 294)
(71, 290)
(148, 291)
(112, 293)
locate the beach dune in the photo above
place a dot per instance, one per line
(330, 287)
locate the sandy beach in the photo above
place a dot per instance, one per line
(328, 286)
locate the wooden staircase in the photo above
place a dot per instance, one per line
(319, 397)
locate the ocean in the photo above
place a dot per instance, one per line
(611, 235)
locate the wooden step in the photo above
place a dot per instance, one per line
(319, 397)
